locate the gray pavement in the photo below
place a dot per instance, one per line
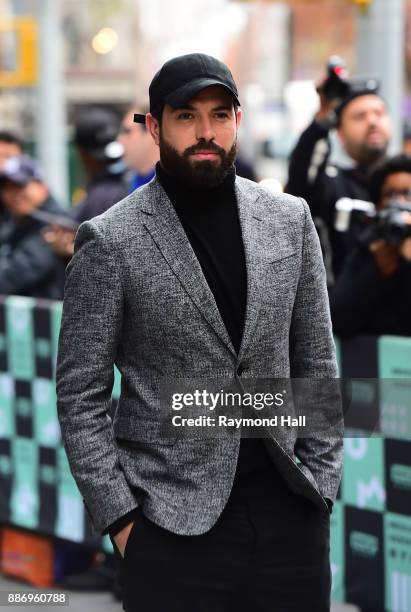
(93, 602)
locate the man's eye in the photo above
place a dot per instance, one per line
(222, 115)
(184, 116)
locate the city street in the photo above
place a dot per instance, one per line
(104, 602)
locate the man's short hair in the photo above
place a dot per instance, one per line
(11, 138)
(398, 163)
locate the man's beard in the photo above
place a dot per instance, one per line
(368, 156)
(204, 174)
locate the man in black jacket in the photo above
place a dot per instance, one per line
(28, 265)
(373, 292)
(101, 154)
(363, 128)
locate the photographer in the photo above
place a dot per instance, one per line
(10, 146)
(359, 115)
(95, 135)
(28, 265)
(373, 292)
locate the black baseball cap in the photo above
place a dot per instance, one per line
(181, 78)
(356, 89)
(96, 130)
(21, 170)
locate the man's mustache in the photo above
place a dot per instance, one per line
(201, 146)
(373, 130)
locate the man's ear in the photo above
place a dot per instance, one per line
(153, 126)
(340, 135)
(238, 117)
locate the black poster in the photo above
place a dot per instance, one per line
(364, 559)
(42, 339)
(47, 488)
(3, 346)
(398, 476)
(23, 409)
(359, 369)
(5, 480)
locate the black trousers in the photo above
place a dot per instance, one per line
(268, 552)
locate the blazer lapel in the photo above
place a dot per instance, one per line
(167, 232)
(252, 227)
(266, 239)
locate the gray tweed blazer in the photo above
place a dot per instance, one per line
(135, 296)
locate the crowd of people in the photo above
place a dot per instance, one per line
(117, 156)
(36, 233)
(367, 256)
(368, 262)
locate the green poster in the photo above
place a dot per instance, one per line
(363, 482)
(70, 515)
(24, 502)
(337, 552)
(397, 536)
(46, 425)
(56, 311)
(394, 359)
(117, 384)
(6, 406)
(106, 544)
(19, 325)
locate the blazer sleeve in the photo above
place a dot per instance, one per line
(313, 359)
(89, 335)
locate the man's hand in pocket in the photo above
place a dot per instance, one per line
(121, 538)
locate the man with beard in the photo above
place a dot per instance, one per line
(364, 130)
(197, 277)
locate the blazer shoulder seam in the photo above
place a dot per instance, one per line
(101, 231)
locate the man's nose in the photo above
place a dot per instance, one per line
(373, 120)
(402, 198)
(204, 129)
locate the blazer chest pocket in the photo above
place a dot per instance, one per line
(280, 278)
(288, 258)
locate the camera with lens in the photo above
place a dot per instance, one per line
(336, 85)
(390, 225)
(387, 224)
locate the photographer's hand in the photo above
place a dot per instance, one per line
(327, 107)
(405, 246)
(386, 257)
(405, 249)
(60, 239)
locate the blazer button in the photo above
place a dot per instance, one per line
(240, 369)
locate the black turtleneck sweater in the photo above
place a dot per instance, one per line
(210, 220)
